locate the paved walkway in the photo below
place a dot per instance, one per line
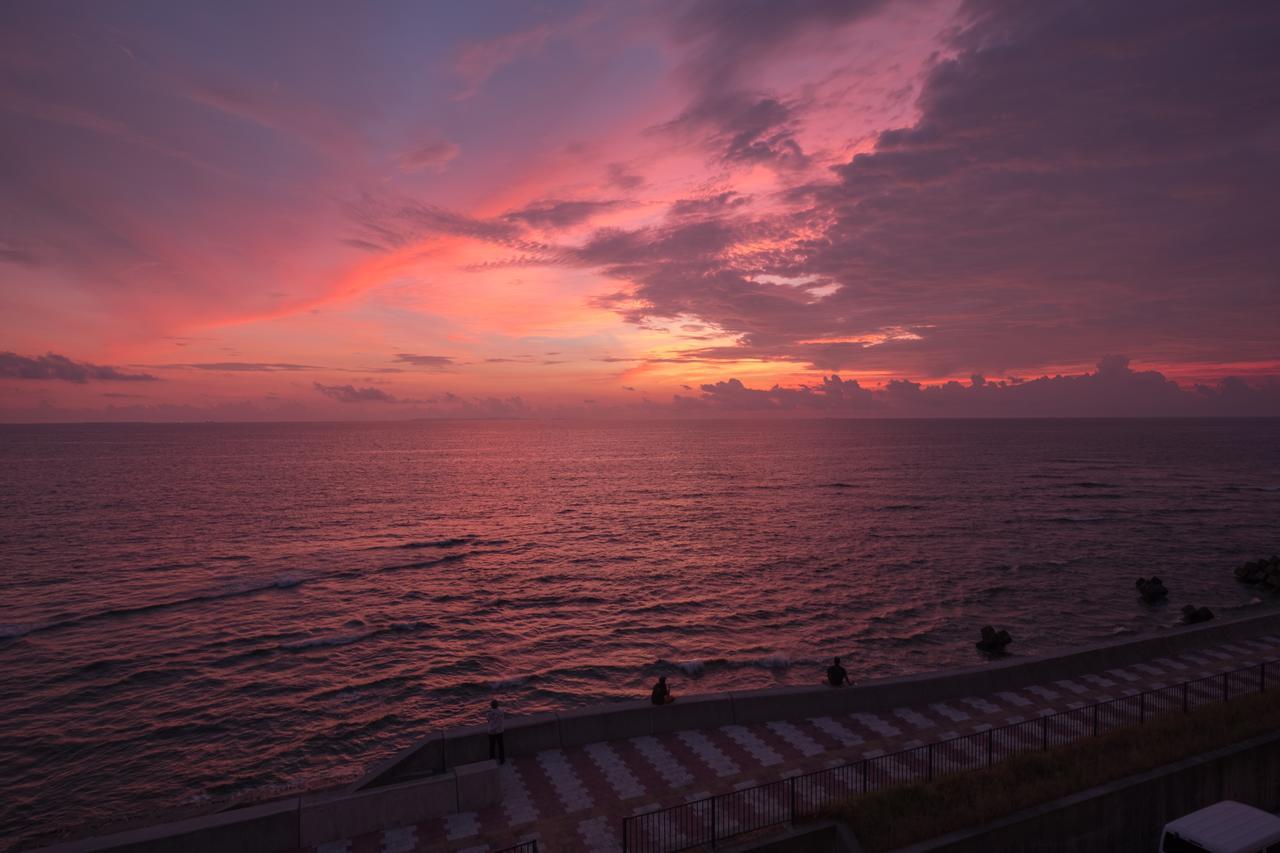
(575, 799)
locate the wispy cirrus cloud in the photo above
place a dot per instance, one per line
(479, 60)
(388, 224)
(241, 366)
(438, 362)
(434, 155)
(552, 214)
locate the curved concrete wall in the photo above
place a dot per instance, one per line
(448, 771)
(445, 748)
(285, 826)
(257, 829)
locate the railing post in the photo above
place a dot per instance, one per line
(930, 753)
(624, 837)
(865, 775)
(1185, 686)
(990, 745)
(713, 822)
(1262, 677)
(1225, 697)
(1142, 708)
(792, 785)
(1044, 732)
(1095, 719)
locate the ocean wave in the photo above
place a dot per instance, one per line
(353, 637)
(323, 642)
(9, 632)
(419, 564)
(1041, 564)
(837, 486)
(689, 667)
(696, 667)
(375, 684)
(165, 567)
(894, 615)
(439, 543)
(1075, 519)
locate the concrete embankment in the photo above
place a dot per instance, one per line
(308, 821)
(445, 748)
(448, 771)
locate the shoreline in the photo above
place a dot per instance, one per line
(437, 755)
(446, 747)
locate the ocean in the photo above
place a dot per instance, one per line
(206, 612)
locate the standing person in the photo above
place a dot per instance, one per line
(836, 676)
(497, 725)
(660, 694)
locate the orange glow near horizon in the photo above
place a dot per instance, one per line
(555, 209)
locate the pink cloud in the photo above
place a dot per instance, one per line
(477, 61)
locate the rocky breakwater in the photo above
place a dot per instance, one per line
(1152, 590)
(1264, 573)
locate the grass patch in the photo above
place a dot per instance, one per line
(884, 820)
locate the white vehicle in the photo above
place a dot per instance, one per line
(1225, 827)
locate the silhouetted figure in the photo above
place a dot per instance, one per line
(497, 725)
(836, 676)
(660, 694)
(993, 640)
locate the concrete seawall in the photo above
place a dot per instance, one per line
(307, 821)
(445, 748)
(448, 771)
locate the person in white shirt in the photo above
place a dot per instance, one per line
(497, 724)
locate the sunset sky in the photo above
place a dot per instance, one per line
(344, 210)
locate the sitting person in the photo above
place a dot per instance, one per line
(661, 695)
(836, 676)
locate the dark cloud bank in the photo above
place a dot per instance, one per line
(446, 404)
(1084, 177)
(1113, 390)
(351, 394)
(59, 367)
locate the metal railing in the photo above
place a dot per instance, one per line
(530, 846)
(709, 821)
